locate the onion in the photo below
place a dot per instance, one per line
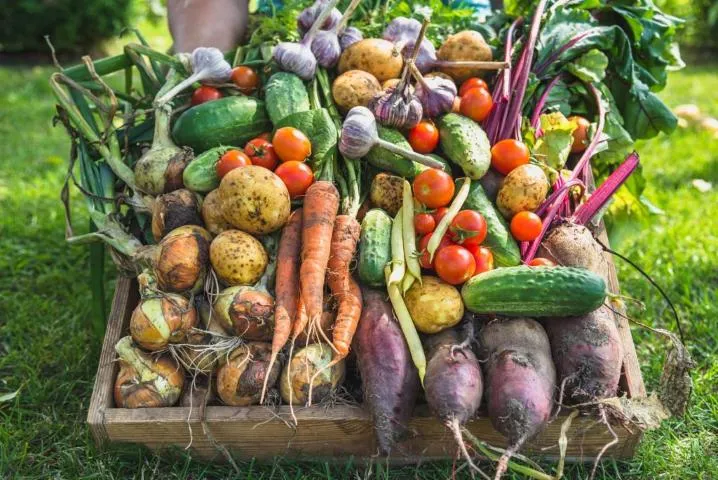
(246, 312)
(173, 210)
(180, 261)
(294, 384)
(240, 380)
(159, 321)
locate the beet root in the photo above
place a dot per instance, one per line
(572, 245)
(389, 379)
(588, 355)
(520, 379)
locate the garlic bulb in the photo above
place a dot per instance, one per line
(208, 64)
(436, 94)
(325, 46)
(309, 15)
(402, 29)
(397, 109)
(349, 37)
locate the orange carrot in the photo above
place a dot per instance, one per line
(321, 203)
(286, 289)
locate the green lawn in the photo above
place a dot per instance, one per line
(49, 352)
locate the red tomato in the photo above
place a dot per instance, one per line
(434, 188)
(526, 226)
(205, 94)
(509, 154)
(476, 104)
(261, 153)
(265, 136)
(424, 242)
(245, 78)
(230, 160)
(541, 262)
(454, 264)
(424, 223)
(471, 83)
(439, 213)
(291, 144)
(468, 228)
(297, 176)
(483, 257)
(580, 135)
(424, 137)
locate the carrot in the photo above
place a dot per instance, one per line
(321, 203)
(286, 289)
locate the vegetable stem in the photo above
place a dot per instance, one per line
(346, 16)
(443, 225)
(410, 154)
(412, 262)
(397, 250)
(307, 40)
(482, 65)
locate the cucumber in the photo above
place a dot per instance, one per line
(391, 162)
(498, 236)
(201, 174)
(284, 95)
(535, 292)
(227, 121)
(466, 144)
(374, 247)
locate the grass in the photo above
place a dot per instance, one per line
(49, 352)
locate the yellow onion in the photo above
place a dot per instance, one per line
(156, 322)
(180, 261)
(246, 312)
(173, 210)
(201, 391)
(145, 381)
(212, 214)
(294, 384)
(240, 380)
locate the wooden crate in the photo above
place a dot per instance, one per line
(328, 434)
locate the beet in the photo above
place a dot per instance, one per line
(390, 380)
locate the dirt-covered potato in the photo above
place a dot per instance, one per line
(354, 88)
(212, 214)
(434, 305)
(240, 380)
(246, 312)
(463, 46)
(374, 55)
(237, 258)
(386, 192)
(524, 188)
(254, 200)
(297, 375)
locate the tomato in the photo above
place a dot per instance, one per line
(230, 160)
(483, 257)
(291, 144)
(476, 104)
(424, 223)
(205, 94)
(526, 226)
(261, 153)
(439, 213)
(541, 262)
(424, 137)
(454, 264)
(265, 136)
(468, 228)
(245, 78)
(580, 135)
(471, 83)
(509, 154)
(297, 176)
(434, 188)
(424, 242)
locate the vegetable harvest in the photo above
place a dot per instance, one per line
(361, 211)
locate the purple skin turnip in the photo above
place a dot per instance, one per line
(520, 380)
(588, 354)
(389, 379)
(453, 383)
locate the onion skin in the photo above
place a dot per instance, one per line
(182, 259)
(302, 367)
(246, 312)
(173, 210)
(156, 322)
(240, 380)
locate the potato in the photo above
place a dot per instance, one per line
(254, 199)
(374, 55)
(354, 88)
(434, 305)
(212, 214)
(463, 46)
(524, 188)
(386, 192)
(238, 258)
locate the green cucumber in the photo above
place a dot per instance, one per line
(535, 292)
(284, 95)
(374, 247)
(466, 144)
(227, 121)
(391, 162)
(201, 174)
(498, 236)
